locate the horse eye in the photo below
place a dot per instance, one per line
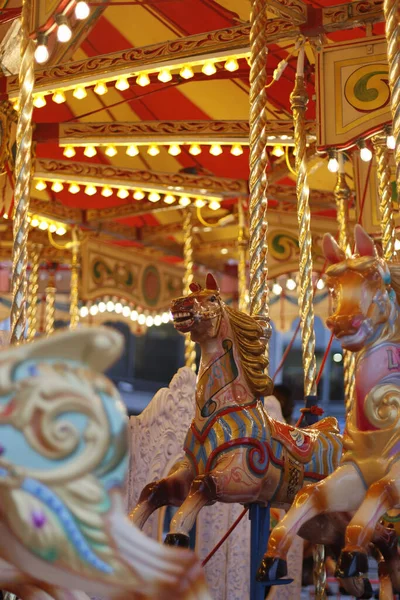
(212, 299)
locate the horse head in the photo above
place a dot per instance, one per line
(200, 312)
(361, 289)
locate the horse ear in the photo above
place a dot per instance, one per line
(195, 287)
(331, 250)
(364, 244)
(211, 284)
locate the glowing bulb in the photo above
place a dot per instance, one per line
(84, 311)
(141, 319)
(118, 308)
(122, 84)
(90, 151)
(215, 150)
(41, 185)
(59, 97)
(143, 79)
(320, 284)
(138, 195)
(209, 68)
(199, 203)
(157, 320)
(110, 306)
(41, 53)
(126, 311)
(224, 250)
(333, 165)
(61, 231)
(102, 307)
(82, 11)
(90, 190)
(16, 105)
(35, 222)
(231, 65)
(214, 205)
(134, 315)
(365, 154)
(154, 196)
(107, 191)
(149, 321)
(169, 199)
(74, 188)
(69, 151)
(164, 75)
(337, 357)
(391, 142)
(57, 187)
(153, 150)
(132, 150)
(291, 284)
(122, 193)
(165, 317)
(174, 150)
(43, 226)
(186, 72)
(79, 92)
(397, 245)
(53, 228)
(184, 201)
(277, 289)
(64, 32)
(278, 151)
(111, 151)
(100, 88)
(5, 216)
(236, 150)
(39, 101)
(195, 150)
(94, 310)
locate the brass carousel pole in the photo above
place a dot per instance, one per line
(242, 247)
(74, 293)
(50, 301)
(33, 292)
(23, 165)
(299, 101)
(342, 195)
(391, 9)
(388, 227)
(190, 351)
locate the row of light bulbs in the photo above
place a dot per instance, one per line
(46, 225)
(123, 193)
(119, 308)
(291, 285)
(174, 149)
(365, 153)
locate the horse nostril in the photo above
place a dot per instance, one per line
(357, 321)
(330, 322)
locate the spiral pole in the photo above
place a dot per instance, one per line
(50, 303)
(391, 9)
(258, 164)
(388, 227)
(23, 166)
(342, 196)
(74, 293)
(242, 247)
(33, 292)
(190, 347)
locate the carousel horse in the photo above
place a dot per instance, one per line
(63, 460)
(366, 292)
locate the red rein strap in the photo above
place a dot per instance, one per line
(222, 540)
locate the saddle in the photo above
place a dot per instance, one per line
(301, 442)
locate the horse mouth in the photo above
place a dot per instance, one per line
(183, 321)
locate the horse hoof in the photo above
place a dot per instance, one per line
(368, 591)
(351, 564)
(177, 539)
(271, 569)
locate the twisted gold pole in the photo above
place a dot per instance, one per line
(391, 9)
(190, 351)
(33, 292)
(319, 572)
(74, 293)
(385, 196)
(342, 195)
(242, 246)
(50, 303)
(23, 182)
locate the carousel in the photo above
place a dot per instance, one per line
(215, 179)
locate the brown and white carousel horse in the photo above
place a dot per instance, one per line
(366, 292)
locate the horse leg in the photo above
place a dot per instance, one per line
(329, 495)
(381, 496)
(172, 490)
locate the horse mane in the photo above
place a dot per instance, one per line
(248, 335)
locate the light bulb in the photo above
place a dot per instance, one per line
(40, 185)
(110, 306)
(59, 97)
(90, 151)
(74, 188)
(291, 284)
(143, 79)
(215, 150)
(184, 201)
(118, 308)
(64, 32)
(169, 199)
(57, 186)
(365, 154)
(42, 52)
(214, 205)
(5, 216)
(157, 320)
(141, 319)
(93, 310)
(186, 72)
(122, 193)
(84, 311)
(39, 101)
(277, 289)
(236, 150)
(391, 142)
(122, 84)
(101, 88)
(111, 151)
(149, 321)
(153, 150)
(61, 231)
(231, 65)
(53, 228)
(199, 203)
(397, 244)
(154, 196)
(35, 222)
(82, 11)
(132, 150)
(320, 284)
(43, 226)
(138, 195)
(69, 151)
(164, 75)
(224, 250)
(195, 150)
(90, 190)
(107, 191)
(174, 150)
(278, 151)
(333, 165)
(209, 68)
(102, 307)
(337, 357)
(79, 92)
(134, 315)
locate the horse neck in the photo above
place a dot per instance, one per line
(387, 332)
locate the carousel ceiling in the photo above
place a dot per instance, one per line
(143, 115)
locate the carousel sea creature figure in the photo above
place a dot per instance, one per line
(366, 292)
(63, 459)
